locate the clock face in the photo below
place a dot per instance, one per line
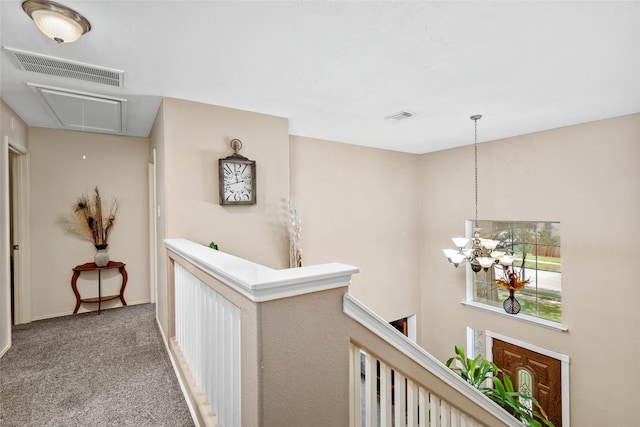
(238, 182)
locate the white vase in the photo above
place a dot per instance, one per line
(102, 256)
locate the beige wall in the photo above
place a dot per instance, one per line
(585, 176)
(359, 206)
(305, 360)
(196, 136)
(118, 166)
(189, 138)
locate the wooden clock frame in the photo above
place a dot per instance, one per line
(238, 159)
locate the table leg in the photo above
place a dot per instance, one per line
(99, 290)
(76, 274)
(124, 274)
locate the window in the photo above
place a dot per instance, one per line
(536, 247)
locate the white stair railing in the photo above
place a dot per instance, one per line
(385, 394)
(385, 397)
(256, 346)
(208, 333)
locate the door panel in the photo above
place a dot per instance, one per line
(545, 372)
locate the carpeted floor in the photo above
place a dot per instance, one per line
(90, 370)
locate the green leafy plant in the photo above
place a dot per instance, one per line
(478, 372)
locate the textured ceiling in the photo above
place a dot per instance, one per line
(337, 69)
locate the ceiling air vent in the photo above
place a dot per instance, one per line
(401, 115)
(34, 62)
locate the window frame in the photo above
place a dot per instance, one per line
(470, 295)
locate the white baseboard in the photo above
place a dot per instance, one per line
(84, 310)
(4, 350)
(176, 370)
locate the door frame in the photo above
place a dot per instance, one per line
(153, 228)
(22, 284)
(564, 366)
(22, 235)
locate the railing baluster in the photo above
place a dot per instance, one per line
(434, 410)
(356, 384)
(369, 389)
(412, 403)
(400, 399)
(208, 333)
(445, 414)
(422, 407)
(385, 395)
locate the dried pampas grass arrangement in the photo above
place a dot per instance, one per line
(91, 221)
(294, 227)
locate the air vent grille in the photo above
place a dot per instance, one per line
(43, 64)
(84, 111)
(401, 115)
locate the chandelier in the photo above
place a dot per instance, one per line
(482, 253)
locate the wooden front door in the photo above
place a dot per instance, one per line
(533, 373)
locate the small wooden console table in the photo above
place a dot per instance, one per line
(90, 266)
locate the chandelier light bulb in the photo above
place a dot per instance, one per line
(460, 242)
(507, 260)
(489, 244)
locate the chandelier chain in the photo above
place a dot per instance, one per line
(482, 255)
(475, 147)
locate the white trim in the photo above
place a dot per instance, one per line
(22, 235)
(366, 317)
(564, 367)
(520, 316)
(174, 365)
(153, 230)
(15, 146)
(5, 275)
(257, 282)
(471, 353)
(4, 350)
(412, 327)
(85, 310)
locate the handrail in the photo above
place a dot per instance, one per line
(257, 282)
(378, 326)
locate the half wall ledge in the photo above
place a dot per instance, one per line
(257, 282)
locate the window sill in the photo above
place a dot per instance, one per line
(522, 317)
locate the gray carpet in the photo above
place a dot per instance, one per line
(90, 370)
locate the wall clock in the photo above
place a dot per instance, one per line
(237, 178)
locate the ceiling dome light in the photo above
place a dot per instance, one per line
(56, 21)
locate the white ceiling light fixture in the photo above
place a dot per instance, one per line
(482, 254)
(56, 21)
